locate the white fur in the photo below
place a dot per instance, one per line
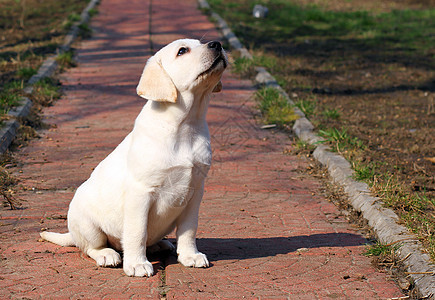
(153, 181)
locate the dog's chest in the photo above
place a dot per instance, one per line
(176, 187)
(179, 186)
(177, 168)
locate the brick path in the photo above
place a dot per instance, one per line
(265, 226)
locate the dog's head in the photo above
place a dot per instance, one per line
(183, 65)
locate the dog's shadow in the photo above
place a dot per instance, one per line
(218, 249)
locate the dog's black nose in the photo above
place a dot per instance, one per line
(215, 45)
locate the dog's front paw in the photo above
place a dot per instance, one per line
(139, 269)
(197, 260)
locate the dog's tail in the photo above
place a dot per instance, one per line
(61, 239)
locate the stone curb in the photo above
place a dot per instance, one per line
(382, 220)
(48, 67)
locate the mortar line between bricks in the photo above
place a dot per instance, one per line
(163, 288)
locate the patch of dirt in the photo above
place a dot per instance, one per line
(388, 106)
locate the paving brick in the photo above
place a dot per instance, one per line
(264, 224)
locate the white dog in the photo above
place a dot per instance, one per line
(153, 181)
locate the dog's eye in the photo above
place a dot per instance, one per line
(182, 51)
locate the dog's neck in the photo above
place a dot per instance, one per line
(195, 106)
(189, 109)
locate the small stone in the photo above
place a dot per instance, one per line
(403, 283)
(260, 11)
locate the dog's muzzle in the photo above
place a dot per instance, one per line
(219, 57)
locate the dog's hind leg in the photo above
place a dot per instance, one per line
(93, 242)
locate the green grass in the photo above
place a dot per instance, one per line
(26, 72)
(341, 140)
(7, 101)
(364, 172)
(46, 91)
(92, 12)
(10, 96)
(414, 209)
(331, 114)
(243, 66)
(335, 135)
(66, 60)
(307, 106)
(85, 31)
(74, 17)
(69, 22)
(275, 108)
(379, 249)
(302, 147)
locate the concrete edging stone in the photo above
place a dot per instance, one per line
(9, 130)
(382, 220)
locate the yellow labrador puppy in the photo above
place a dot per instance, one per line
(153, 182)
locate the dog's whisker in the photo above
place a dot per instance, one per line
(203, 37)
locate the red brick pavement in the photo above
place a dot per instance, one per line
(265, 226)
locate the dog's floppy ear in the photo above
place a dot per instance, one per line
(218, 87)
(155, 84)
